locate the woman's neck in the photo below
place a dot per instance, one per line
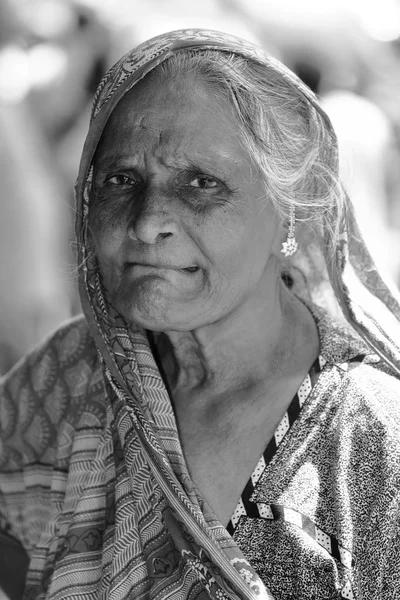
(255, 344)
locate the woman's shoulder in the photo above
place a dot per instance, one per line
(55, 384)
(70, 345)
(367, 381)
(371, 392)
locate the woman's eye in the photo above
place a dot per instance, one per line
(203, 183)
(120, 180)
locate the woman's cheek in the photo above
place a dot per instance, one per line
(108, 218)
(107, 238)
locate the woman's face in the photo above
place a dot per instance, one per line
(182, 228)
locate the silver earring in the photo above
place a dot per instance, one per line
(290, 246)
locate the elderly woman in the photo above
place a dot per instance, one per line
(208, 430)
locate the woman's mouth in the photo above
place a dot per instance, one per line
(153, 267)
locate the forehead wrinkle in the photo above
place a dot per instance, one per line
(192, 150)
(217, 160)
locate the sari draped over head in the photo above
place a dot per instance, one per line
(157, 537)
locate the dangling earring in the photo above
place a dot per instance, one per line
(290, 246)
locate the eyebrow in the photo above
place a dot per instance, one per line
(109, 162)
(106, 164)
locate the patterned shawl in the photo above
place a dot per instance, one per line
(159, 538)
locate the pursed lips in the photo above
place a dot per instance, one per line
(161, 266)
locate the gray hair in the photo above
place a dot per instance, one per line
(287, 138)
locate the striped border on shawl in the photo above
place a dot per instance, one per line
(244, 506)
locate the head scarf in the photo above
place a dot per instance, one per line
(159, 538)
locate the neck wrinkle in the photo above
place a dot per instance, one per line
(234, 358)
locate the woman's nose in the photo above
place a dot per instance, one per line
(153, 220)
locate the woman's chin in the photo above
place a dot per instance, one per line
(157, 311)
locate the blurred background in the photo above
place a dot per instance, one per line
(53, 54)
